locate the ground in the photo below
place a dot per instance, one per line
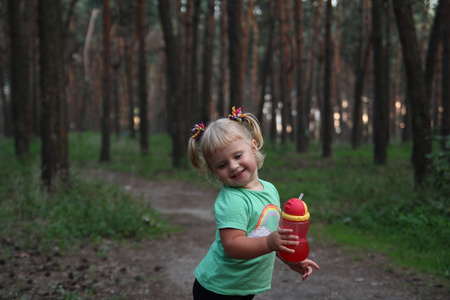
(163, 268)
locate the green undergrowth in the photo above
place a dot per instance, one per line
(367, 206)
(362, 204)
(126, 156)
(87, 209)
(356, 202)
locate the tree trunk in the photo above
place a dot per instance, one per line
(327, 121)
(128, 54)
(223, 71)
(445, 117)
(185, 38)
(5, 104)
(244, 59)
(337, 74)
(433, 44)
(105, 151)
(116, 66)
(53, 105)
(266, 68)
(87, 72)
(207, 64)
(419, 104)
(387, 54)
(283, 71)
(142, 70)
(302, 115)
(116, 98)
(174, 92)
(380, 101)
(19, 80)
(312, 58)
(254, 88)
(31, 9)
(362, 62)
(194, 109)
(234, 12)
(125, 34)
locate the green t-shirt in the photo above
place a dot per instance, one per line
(258, 214)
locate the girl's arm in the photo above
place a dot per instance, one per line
(238, 246)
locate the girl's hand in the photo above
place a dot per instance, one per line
(277, 240)
(305, 268)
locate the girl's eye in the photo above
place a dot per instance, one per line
(238, 156)
(221, 166)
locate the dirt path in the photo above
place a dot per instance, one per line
(163, 269)
(342, 276)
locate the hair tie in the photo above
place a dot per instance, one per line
(236, 115)
(198, 130)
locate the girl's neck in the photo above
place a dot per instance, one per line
(255, 186)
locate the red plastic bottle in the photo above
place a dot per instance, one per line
(295, 216)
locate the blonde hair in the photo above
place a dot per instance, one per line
(220, 134)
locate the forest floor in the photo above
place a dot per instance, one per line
(163, 268)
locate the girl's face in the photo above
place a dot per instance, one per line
(236, 165)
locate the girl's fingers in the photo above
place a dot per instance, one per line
(284, 231)
(289, 237)
(286, 249)
(308, 262)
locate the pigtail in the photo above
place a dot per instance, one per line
(255, 129)
(195, 154)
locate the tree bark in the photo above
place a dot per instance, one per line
(31, 24)
(207, 63)
(313, 58)
(185, 38)
(433, 44)
(6, 107)
(87, 71)
(445, 117)
(234, 12)
(194, 109)
(419, 104)
(254, 88)
(127, 29)
(380, 101)
(105, 151)
(19, 81)
(327, 119)
(266, 68)
(142, 70)
(223, 71)
(54, 122)
(337, 73)
(302, 115)
(283, 71)
(244, 59)
(174, 104)
(361, 62)
(124, 16)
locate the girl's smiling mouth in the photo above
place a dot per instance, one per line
(238, 174)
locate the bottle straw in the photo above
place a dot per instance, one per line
(301, 196)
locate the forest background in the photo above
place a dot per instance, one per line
(370, 77)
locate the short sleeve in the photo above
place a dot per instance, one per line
(231, 210)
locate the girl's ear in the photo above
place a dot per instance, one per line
(254, 146)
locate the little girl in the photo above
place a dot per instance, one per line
(240, 261)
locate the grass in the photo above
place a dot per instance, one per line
(367, 206)
(88, 209)
(356, 202)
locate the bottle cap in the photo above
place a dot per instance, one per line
(295, 210)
